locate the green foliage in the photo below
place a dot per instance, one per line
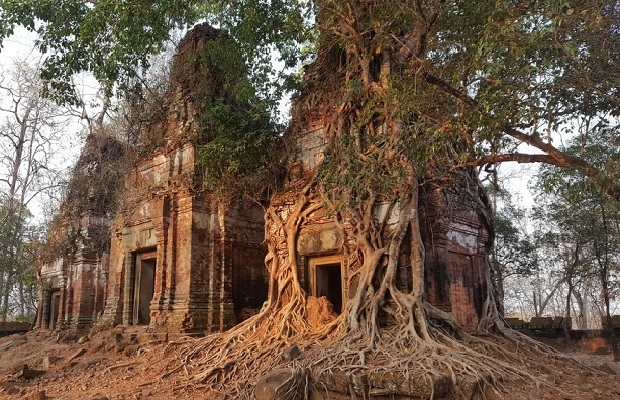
(514, 251)
(582, 218)
(538, 66)
(115, 39)
(532, 65)
(263, 30)
(601, 148)
(110, 38)
(239, 141)
(349, 179)
(243, 156)
(19, 250)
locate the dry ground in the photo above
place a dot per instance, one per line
(114, 366)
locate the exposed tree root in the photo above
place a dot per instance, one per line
(117, 366)
(417, 351)
(388, 341)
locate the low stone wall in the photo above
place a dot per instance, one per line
(10, 328)
(539, 323)
(549, 330)
(595, 341)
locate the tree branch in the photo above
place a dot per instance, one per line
(552, 155)
(520, 158)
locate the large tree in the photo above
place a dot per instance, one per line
(30, 137)
(585, 219)
(418, 92)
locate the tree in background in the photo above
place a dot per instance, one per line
(30, 136)
(514, 251)
(585, 221)
(20, 243)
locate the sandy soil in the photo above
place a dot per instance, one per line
(111, 366)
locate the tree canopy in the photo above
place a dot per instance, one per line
(493, 74)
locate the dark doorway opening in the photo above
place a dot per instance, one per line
(327, 278)
(54, 308)
(144, 289)
(329, 284)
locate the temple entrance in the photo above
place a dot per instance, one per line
(54, 308)
(326, 279)
(146, 264)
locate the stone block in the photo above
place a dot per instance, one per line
(130, 350)
(290, 353)
(606, 368)
(84, 365)
(7, 383)
(26, 373)
(12, 387)
(48, 361)
(615, 321)
(39, 395)
(78, 353)
(18, 367)
(601, 351)
(516, 323)
(541, 323)
(267, 386)
(558, 321)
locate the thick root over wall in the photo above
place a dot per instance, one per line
(415, 352)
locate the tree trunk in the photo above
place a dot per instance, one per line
(568, 344)
(4, 309)
(583, 317)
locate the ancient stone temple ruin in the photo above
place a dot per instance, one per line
(455, 233)
(73, 272)
(72, 287)
(180, 261)
(456, 241)
(174, 258)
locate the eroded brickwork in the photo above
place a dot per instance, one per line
(455, 240)
(72, 288)
(456, 243)
(178, 260)
(73, 270)
(203, 261)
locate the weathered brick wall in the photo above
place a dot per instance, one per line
(309, 146)
(202, 264)
(74, 267)
(456, 244)
(199, 247)
(208, 262)
(454, 237)
(246, 251)
(10, 328)
(80, 277)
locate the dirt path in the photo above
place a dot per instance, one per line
(115, 366)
